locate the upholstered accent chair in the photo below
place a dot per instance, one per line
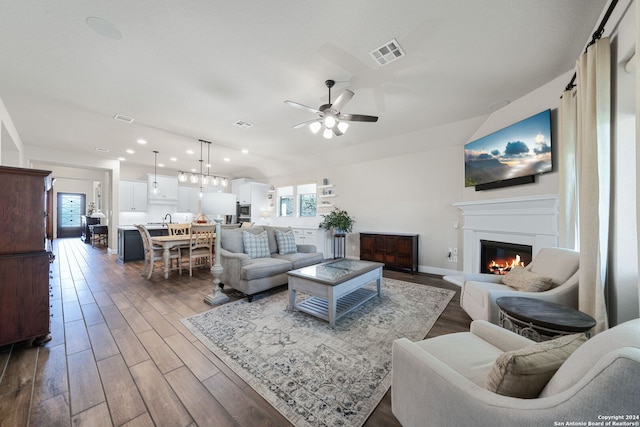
(480, 291)
(442, 381)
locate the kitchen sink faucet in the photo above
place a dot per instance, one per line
(164, 221)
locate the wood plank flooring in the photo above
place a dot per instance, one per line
(119, 355)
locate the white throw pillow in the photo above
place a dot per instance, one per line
(526, 281)
(524, 373)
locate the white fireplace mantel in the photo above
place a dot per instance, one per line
(527, 220)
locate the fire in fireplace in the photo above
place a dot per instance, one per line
(501, 257)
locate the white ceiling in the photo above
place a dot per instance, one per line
(187, 70)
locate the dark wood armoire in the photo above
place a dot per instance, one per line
(25, 254)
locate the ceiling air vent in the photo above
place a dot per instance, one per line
(242, 125)
(102, 149)
(122, 118)
(387, 53)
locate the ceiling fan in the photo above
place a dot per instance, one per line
(331, 117)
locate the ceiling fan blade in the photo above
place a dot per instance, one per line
(336, 131)
(358, 118)
(303, 124)
(304, 107)
(342, 100)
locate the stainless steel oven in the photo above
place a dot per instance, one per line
(244, 213)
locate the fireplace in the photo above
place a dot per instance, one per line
(524, 220)
(501, 257)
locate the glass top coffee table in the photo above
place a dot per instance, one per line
(337, 287)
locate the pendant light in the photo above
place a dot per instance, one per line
(201, 175)
(155, 173)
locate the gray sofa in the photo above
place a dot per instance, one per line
(253, 275)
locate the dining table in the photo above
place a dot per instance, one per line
(169, 242)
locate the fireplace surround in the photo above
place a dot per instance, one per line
(527, 220)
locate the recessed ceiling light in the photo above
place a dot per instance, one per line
(104, 28)
(160, 165)
(142, 141)
(130, 151)
(245, 151)
(226, 159)
(122, 159)
(193, 170)
(173, 159)
(189, 151)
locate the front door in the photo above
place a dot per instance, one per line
(71, 206)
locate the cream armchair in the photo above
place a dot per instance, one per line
(440, 381)
(480, 291)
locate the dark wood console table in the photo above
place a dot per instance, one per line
(541, 320)
(395, 250)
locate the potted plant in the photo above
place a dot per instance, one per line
(338, 220)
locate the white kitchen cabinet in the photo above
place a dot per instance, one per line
(188, 198)
(306, 236)
(167, 189)
(254, 194)
(133, 196)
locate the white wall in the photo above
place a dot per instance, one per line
(11, 147)
(75, 180)
(414, 191)
(78, 166)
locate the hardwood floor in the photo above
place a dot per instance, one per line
(119, 355)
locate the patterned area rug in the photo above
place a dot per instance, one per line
(312, 374)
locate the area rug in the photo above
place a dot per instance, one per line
(312, 374)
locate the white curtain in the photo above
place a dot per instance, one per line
(585, 141)
(637, 141)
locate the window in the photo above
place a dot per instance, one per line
(306, 200)
(299, 200)
(285, 201)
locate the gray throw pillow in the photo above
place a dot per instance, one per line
(524, 373)
(286, 242)
(256, 245)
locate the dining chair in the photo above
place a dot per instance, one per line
(200, 245)
(179, 229)
(153, 253)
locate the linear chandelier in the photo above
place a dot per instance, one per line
(203, 178)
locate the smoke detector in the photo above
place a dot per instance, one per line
(387, 53)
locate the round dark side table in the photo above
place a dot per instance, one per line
(541, 320)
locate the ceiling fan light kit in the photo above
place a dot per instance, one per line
(331, 118)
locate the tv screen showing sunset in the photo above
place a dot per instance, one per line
(521, 149)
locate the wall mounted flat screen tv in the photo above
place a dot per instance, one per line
(510, 154)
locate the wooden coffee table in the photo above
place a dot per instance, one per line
(540, 320)
(336, 287)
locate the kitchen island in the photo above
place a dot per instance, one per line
(130, 247)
